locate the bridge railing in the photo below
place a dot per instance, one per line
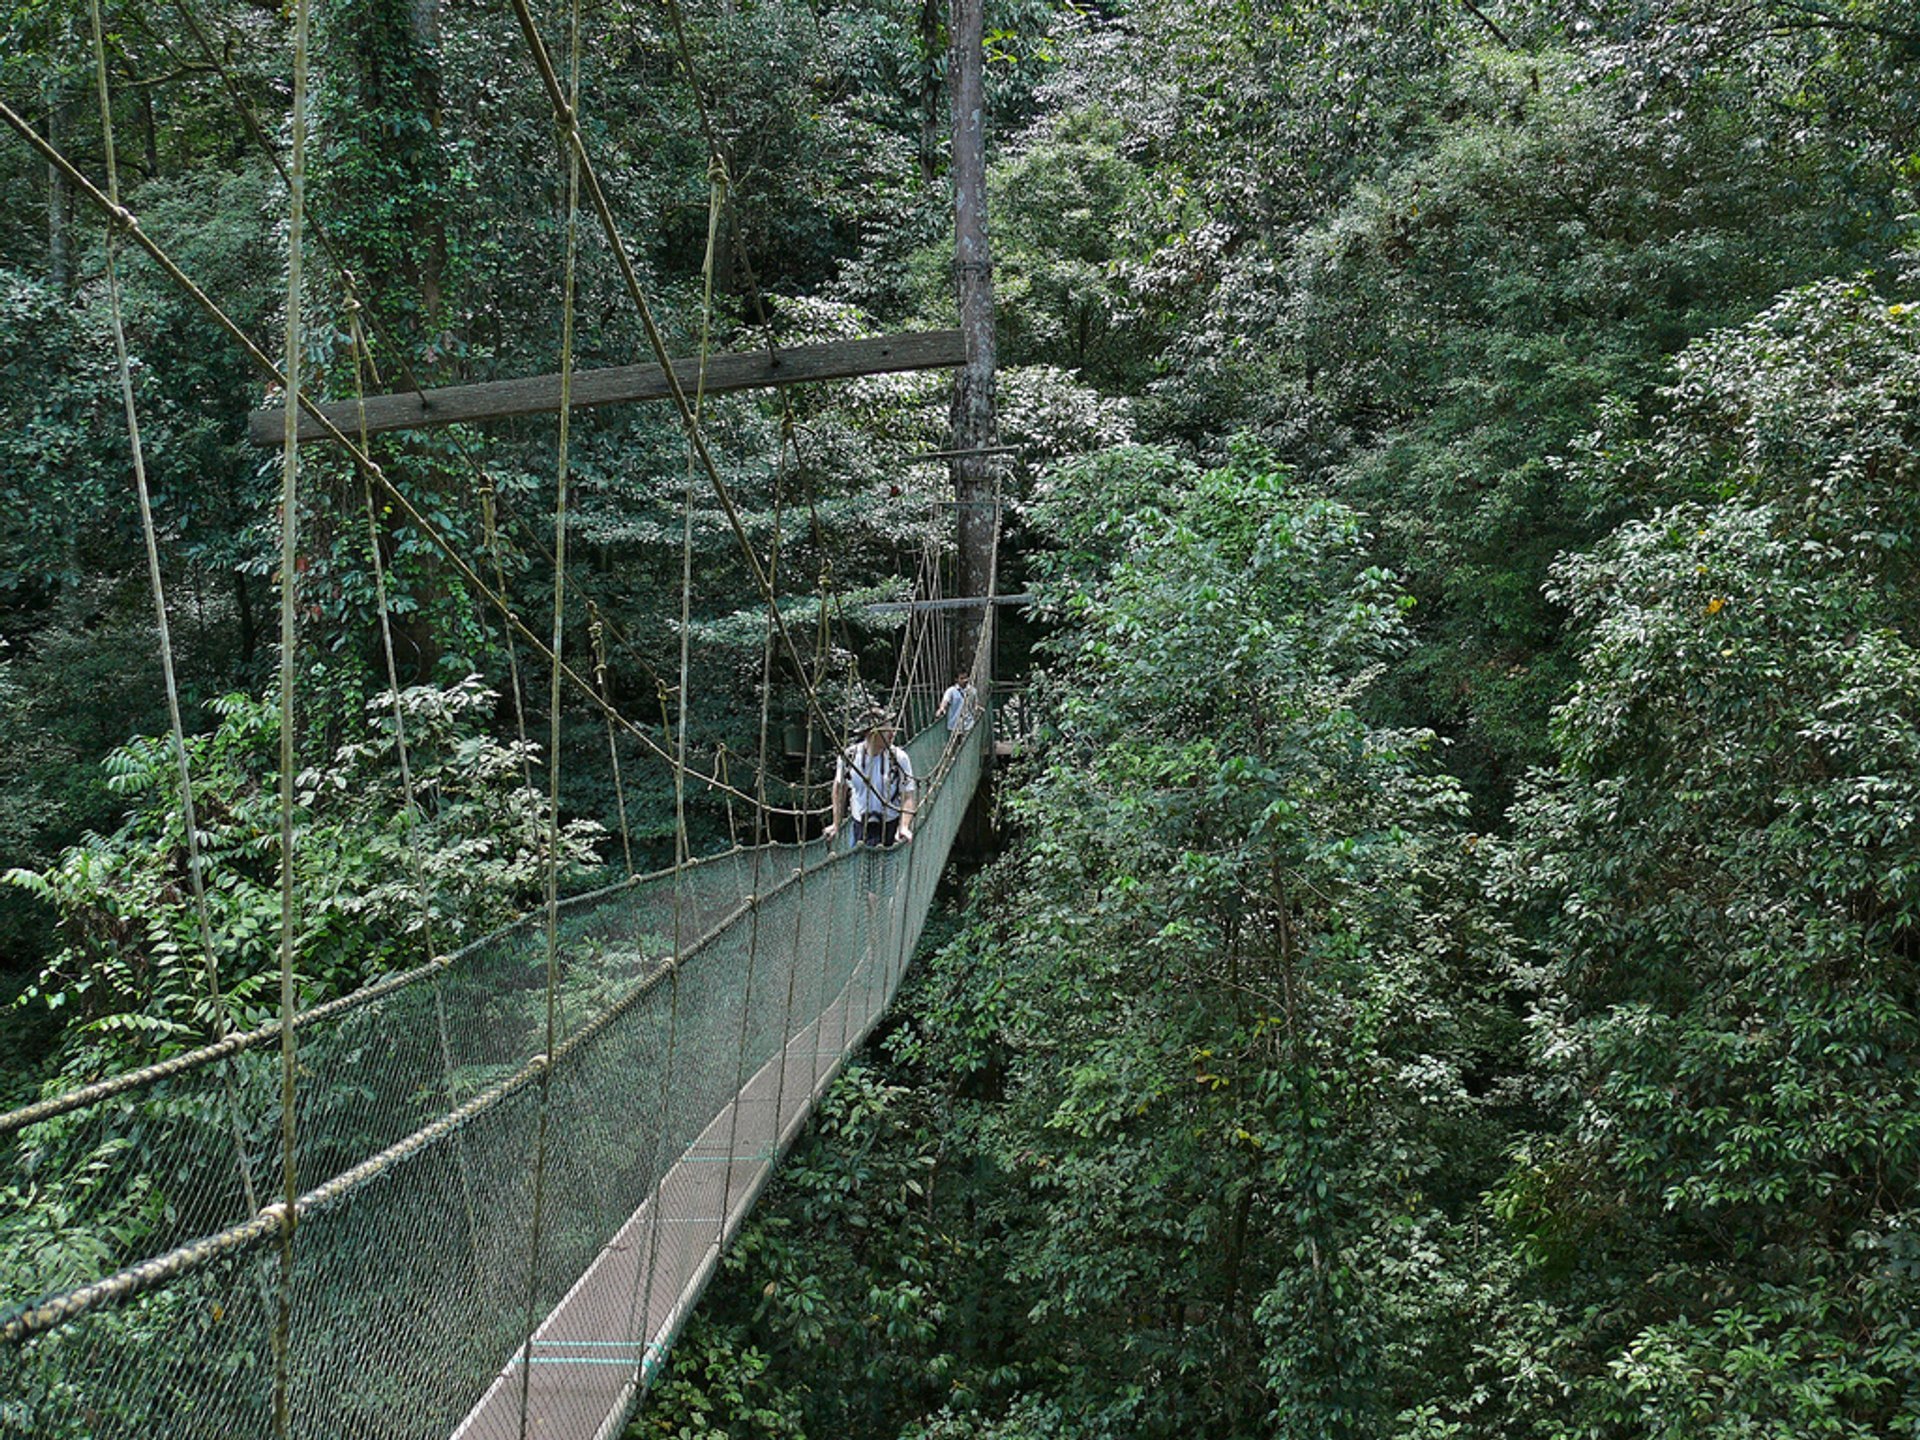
(457, 1180)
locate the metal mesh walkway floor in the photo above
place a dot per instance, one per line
(575, 1381)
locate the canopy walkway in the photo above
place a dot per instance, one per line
(438, 1290)
(476, 1199)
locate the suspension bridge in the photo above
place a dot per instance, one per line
(477, 1199)
(447, 1279)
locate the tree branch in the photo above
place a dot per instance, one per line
(186, 69)
(1814, 18)
(1487, 20)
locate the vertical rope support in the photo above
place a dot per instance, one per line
(723, 776)
(793, 950)
(490, 527)
(822, 653)
(753, 920)
(717, 194)
(837, 877)
(641, 1301)
(289, 572)
(902, 673)
(596, 631)
(943, 635)
(716, 201)
(196, 864)
(680, 857)
(762, 836)
(901, 908)
(177, 729)
(553, 724)
(362, 358)
(363, 365)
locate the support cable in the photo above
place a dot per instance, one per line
(753, 922)
(196, 869)
(553, 723)
(724, 773)
(362, 357)
(363, 362)
(596, 632)
(490, 531)
(716, 203)
(568, 117)
(761, 838)
(289, 578)
(220, 1022)
(789, 426)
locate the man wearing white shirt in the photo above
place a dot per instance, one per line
(873, 783)
(958, 708)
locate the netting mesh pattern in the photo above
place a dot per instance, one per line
(491, 1241)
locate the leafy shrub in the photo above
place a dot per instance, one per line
(370, 884)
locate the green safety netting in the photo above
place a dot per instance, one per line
(445, 1277)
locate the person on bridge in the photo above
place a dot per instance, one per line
(874, 781)
(958, 706)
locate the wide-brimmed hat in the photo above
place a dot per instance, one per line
(873, 718)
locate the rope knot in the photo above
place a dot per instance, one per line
(284, 1217)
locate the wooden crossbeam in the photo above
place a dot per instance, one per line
(964, 602)
(540, 394)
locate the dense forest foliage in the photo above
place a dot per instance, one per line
(1453, 965)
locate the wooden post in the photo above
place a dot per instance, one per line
(975, 426)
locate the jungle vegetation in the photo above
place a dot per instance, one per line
(1453, 966)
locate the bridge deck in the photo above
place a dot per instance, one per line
(579, 1374)
(460, 1183)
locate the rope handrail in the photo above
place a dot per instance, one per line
(24, 1321)
(238, 1042)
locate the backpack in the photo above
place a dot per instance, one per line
(892, 759)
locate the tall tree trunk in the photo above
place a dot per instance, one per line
(378, 120)
(243, 607)
(430, 230)
(151, 127)
(929, 90)
(974, 423)
(59, 259)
